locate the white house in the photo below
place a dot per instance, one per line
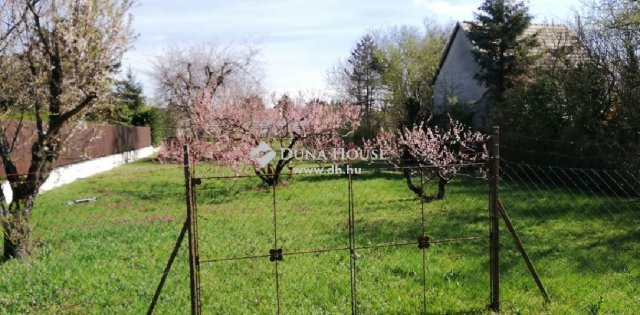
(454, 81)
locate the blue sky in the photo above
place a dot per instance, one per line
(298, 39)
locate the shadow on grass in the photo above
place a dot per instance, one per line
(608, 254)
(230, 190)
(585, 251)
(407, 227)
(471, 311)
(153, 192)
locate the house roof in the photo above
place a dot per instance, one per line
(553, 40)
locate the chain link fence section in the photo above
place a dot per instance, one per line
(580, 226)
(339, 243)
(324, 242)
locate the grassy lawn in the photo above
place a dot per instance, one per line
(106, 257)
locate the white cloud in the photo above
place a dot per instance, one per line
(443, 9)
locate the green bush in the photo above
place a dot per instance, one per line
(162, 124)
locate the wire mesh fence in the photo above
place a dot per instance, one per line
(323, 242)
(581, 228)
(326, 242)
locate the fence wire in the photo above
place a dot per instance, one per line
(315, 229)
(580, 226)
(364, 243)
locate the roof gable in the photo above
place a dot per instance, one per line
(552, 39)
(447, 48)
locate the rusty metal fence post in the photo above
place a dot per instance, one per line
(494, 237)
(191, 219)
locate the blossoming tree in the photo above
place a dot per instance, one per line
(58, 61)
(441, 152)
(242, 131)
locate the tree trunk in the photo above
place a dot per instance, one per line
(16, 219)
(17, 245)
(442, 183)
(416, 189)
(17, 227)
(271, 176)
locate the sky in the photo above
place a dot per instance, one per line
(299, 40)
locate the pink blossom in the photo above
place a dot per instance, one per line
(445, 151)
(225, 130)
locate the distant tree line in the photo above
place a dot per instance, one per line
(388, 74)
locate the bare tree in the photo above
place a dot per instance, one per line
(410, 57)
(180, 72)
(61, 57)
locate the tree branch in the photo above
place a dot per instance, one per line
(56, 122)
(36, 20)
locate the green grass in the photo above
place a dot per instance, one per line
(107, 257)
